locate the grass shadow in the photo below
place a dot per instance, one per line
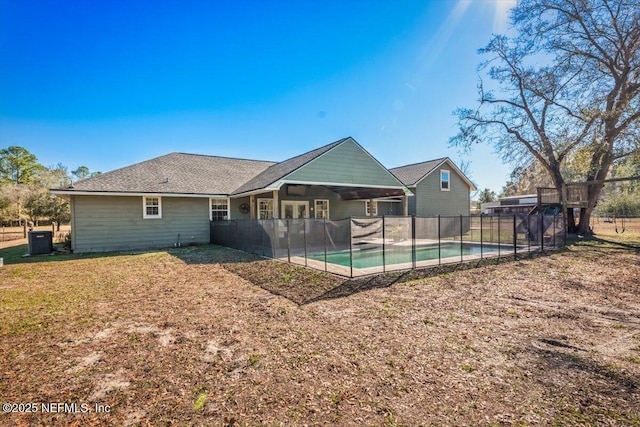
(303, 285)
(561, 357)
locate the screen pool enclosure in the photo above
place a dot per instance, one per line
(360, 246)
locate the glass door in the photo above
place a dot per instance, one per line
(293, 209)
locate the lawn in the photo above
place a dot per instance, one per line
(211, 336)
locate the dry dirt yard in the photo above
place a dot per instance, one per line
(210, 336)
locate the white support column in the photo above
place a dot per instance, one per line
(276, 204)
(252, 204)
(405, 205)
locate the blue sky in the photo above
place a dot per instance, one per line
(110, 83)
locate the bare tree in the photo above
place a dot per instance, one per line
(585, 96)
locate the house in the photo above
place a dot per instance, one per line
(171, 199)
(438, 187)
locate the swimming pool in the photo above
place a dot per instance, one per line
(366, 258)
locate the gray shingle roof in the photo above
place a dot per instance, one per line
(409, 175)
(284, 168)
(177, 173)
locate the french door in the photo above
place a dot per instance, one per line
(293, 209)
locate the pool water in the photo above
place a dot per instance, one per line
(365, 258)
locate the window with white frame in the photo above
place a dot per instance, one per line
(265, 208)
(151, 207)
(219, 209)
(445, 182)
(367, 208)
(321, 209)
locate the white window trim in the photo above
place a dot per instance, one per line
(315, 207)
(448, 181)
(211, 199)
(266, 199)
(375, 208)
(144, 207)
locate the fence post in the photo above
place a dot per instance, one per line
(288, 243)
(413, 241)
(554, 232)
(461, 249)
(481, 245)
(542, 232)
(515, 239)
(529, 234)
(384, 262)
(304, 238)
(236, 233)
(499, 235)
(439, 252)
(350, 249)
(324, 227)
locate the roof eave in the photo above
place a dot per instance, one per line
(66, 192)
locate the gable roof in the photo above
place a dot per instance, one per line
(278, 171)
(412, 174)
(175, 173)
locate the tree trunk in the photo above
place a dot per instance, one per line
(593, 194)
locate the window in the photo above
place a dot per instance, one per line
(265, 208)
(321, 210)
(367, 210)
(219, 209)
(152, 207)
(444, 180)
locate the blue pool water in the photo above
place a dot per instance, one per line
(365, 258)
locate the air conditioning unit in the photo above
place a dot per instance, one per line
(40, 242)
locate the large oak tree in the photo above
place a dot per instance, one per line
(568, 82)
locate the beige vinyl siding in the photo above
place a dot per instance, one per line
(345, 164)
(430, 200)
(105, 223)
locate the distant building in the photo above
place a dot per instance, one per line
(524, 204)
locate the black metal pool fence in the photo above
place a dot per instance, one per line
(359, 246)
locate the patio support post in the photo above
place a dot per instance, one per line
(371, 208)
(252, 206)
(405, 205)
